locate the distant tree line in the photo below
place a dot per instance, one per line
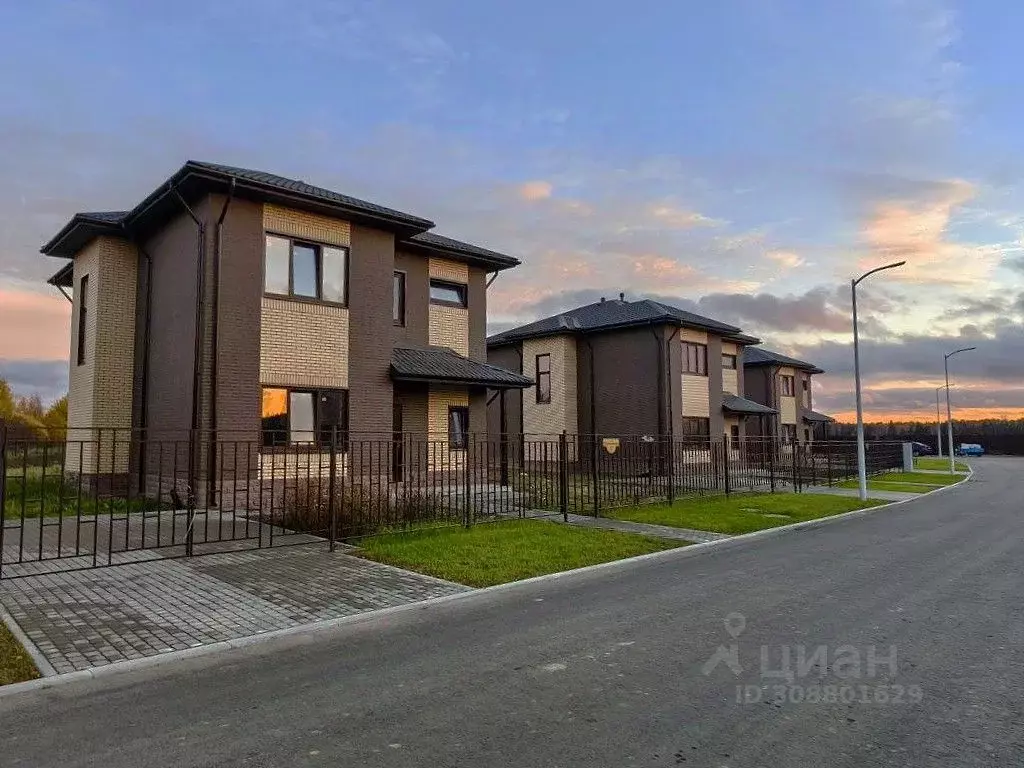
(1002, 436)
(27, 417)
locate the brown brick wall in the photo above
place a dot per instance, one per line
(477, 314)
(371, 269)
(508, 358)
(415, 332)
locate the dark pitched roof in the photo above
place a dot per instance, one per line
(196, 178)
(64, 277)
(818, 418)
(611, 314)
(761, 356)
(307, 190)
(441, 364)
(428, 241)
(736, 404)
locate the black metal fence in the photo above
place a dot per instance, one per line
(102, 497)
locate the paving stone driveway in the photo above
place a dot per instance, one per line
(96, 617)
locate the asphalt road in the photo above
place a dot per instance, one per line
(605, 668)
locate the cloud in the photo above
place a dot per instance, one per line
(35, 326)
(46, 378)
(785, 259)
(535, 190)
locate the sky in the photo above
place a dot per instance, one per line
(744, 159)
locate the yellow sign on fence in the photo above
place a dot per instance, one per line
(611, 444)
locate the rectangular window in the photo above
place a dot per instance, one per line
(729, 362)
(458, 427)
(787, 386)
(448, 294)
(734, 436)
(695, 358)
(788, 434)
(292, 268)
(83, 314)
(543, 368)
(807, 435)
(304, 417)
(696, 427)
(398, 299)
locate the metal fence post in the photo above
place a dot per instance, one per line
(770, 447)
(594, 473)
(563, 476)
(466, 514)
(190, 494)
(792, 453)
(725, 463)
(331, 506)
(828, 461)
(671, 471)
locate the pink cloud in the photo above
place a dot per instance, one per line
(34, 326)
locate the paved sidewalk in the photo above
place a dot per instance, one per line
(853, 492)
(97, 617)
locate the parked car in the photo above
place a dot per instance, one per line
(922, 449)
(970, 449)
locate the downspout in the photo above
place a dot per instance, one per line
(66, 294)
(144, 390)
(592, 387)
(197, 345)
(660, 382)
(491, 280)
(218, 238)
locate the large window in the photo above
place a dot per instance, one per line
(458, 427)
(693, 426)
(729, 362)
(294, 268)
(695, 358)
(304, 417)
(543, 370)
(448, 294)
(398, 299)
(787, 386)
(83, 314)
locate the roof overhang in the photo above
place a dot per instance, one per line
(814, 417)
(440, 365)
(475, 257)
(741, 405)
(64, 277)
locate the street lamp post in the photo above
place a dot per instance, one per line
(949, 409)
(862, 471)
(938, 423)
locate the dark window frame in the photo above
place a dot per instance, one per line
(541, 398)
(398, 278)
(733, 361)
(318, 249)
(320, 440)
(463, 443)
(787, 385)
(83, 316)
(734, 436)
(788, 434)
(462, 288)
(695, 426)
(702, 358)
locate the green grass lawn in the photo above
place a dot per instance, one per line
(52, 493)
(933, 462)
(743, 512)
(15, 664)
(900, 487)
(496, 553)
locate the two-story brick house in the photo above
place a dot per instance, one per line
(630, 368)
(251, 307)
(784, 384)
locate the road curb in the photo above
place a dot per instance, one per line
(54, 680)
(42, 664)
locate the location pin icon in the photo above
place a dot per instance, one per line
(735, 623)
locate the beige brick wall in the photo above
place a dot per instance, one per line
(561, 413)
(730, 381)
(100, 390)
(696, 396)
(308, 226)
(439, 399)
(787, 410)
(449, 326)
(298, 464)
(689, 334)
(303, 344)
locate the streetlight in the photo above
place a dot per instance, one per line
(862, 471)
(949, 410)
(938, 423)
